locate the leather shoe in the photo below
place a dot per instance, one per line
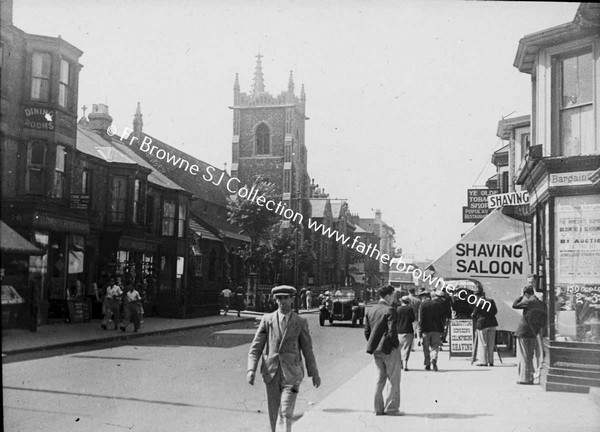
(525, 382)
(379, 413)
(427, 368)
(395, 414)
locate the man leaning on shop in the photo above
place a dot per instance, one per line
(382, 343)
(281, 340)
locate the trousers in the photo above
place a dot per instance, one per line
(487, 342)
(281, 399)
(525, 350)
(406, 341)
(389, 368)
(431, 346)
(112, 308)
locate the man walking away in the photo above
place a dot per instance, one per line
(532, 321)
(406, 335)
(382, 343)
(282, 339)
(432, 318)
(485, 323)
(226, 295)
(132, 299)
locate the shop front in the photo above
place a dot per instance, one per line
(565, 203)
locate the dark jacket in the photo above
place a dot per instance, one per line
(534, 316)
(484, 318)
(380, 328)
(433, 315)
(406, 317)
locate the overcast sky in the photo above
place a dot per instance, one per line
(404, 97)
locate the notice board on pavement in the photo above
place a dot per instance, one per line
(461, 337)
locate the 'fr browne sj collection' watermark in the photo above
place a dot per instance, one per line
(280, 208)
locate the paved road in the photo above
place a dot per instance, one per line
(186, 381)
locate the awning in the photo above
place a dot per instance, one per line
(12, 242)
(494, 252)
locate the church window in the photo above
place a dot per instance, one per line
(263, 138)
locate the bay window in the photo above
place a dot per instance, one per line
(40, 76)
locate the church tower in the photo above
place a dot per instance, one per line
(268, 139)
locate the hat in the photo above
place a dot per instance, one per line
(423, 292)
(405, 299)
(327, 293)
(283, 290)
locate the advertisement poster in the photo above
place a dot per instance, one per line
(461, 337)
(577, 240)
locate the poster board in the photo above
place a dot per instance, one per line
(79, 311)
(461, 337)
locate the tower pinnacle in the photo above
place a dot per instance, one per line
(138, 123)
(258, 86)
(291, 83)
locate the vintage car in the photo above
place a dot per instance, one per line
(341, 306)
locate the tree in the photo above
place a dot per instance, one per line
(256, 222)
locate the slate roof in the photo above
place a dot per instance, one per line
(113, 151)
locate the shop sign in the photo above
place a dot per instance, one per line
(56, 224)
(477, 198)
(474, 215)
(461, 337)
(80, 202)
(508, 199)
(491, 259)
(126, 243)
(578, 178)
(39, 118)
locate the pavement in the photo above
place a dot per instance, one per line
(460, 397)
(63, 335)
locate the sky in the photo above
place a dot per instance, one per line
(404, 97)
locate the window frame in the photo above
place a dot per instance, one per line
(40, 167)
(262, 126)
(138, 215)
(167, 223)
(41, 78)
(181, 222)
(60, 168)
(67, 86)
(114, 210)
(556, 58)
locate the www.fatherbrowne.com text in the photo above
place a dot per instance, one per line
(280, 208)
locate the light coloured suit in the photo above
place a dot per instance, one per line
(281, 367)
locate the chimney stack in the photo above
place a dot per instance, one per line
(99, 119)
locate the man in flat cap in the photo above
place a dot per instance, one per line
(282, 339)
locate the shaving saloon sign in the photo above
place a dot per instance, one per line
(491, 259)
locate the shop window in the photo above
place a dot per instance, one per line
(38, 264)
(59, 172)
(40, 76)
(576, 264)
(166, 275)
(36, 159)
(179, 273)
(168, 218)
(119, 198)
(182, 216)
(263, 140)
(64, 87)
(575, 104)
(138, 202)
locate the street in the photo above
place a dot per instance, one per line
(186, 381)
